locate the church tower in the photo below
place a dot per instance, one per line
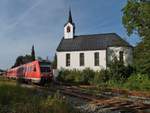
(69, 28)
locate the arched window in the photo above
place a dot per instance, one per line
(68, 29)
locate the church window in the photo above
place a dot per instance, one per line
(96, 59)
(67, 59)
(81, 59)
(121, 56)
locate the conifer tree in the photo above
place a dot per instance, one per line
(33, 53)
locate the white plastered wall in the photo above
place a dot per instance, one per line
(75, 61)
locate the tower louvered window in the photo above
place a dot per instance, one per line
(68, 29)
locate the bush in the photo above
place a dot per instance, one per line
(116, 72)
(87, 76)
(69, 76)
(119, 71)
(76, 76)
(63, 74)
(138, 82)
(101, 77)
(118, 76)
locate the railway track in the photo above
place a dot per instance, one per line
(109, 101)
(112, 101)
(104, 102)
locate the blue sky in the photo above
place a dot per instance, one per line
(40, 22)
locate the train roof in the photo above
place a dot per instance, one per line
(43, 62)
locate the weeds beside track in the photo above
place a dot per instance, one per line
(112, 100)
(105, 100)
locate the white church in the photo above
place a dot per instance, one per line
(93, 51)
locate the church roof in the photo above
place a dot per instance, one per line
(92, 42)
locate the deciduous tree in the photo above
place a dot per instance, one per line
(136, 19)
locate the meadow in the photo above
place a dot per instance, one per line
(17, 99)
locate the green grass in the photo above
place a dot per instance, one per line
(16, 99)
(138, 82)
(105, 79)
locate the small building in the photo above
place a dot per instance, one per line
(93, 51)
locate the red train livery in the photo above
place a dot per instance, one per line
(36, 71)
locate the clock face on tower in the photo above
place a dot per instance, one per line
(68, 29)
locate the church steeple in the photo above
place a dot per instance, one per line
(70, 17)
(69, 28)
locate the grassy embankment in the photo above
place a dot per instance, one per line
(16, 99)
(104, 79)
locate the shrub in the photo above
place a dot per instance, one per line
(119, 71)
(63, 75)
(101, 77)
(87, 76)
(138, 82)
(76, 76)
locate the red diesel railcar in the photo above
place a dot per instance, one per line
(36, 71)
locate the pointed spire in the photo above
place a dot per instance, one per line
(70, 16)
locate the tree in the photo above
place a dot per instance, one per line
(54, 63)
(19, 61)
(136, 19)
(22, 60)
(25, 59)
(33, 53)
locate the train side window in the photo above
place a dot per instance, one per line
(28, 69)
(25, 69)
(31, 69)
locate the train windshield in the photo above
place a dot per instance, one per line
(45, 67)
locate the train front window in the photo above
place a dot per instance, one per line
(45, 66)
(45, 69)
